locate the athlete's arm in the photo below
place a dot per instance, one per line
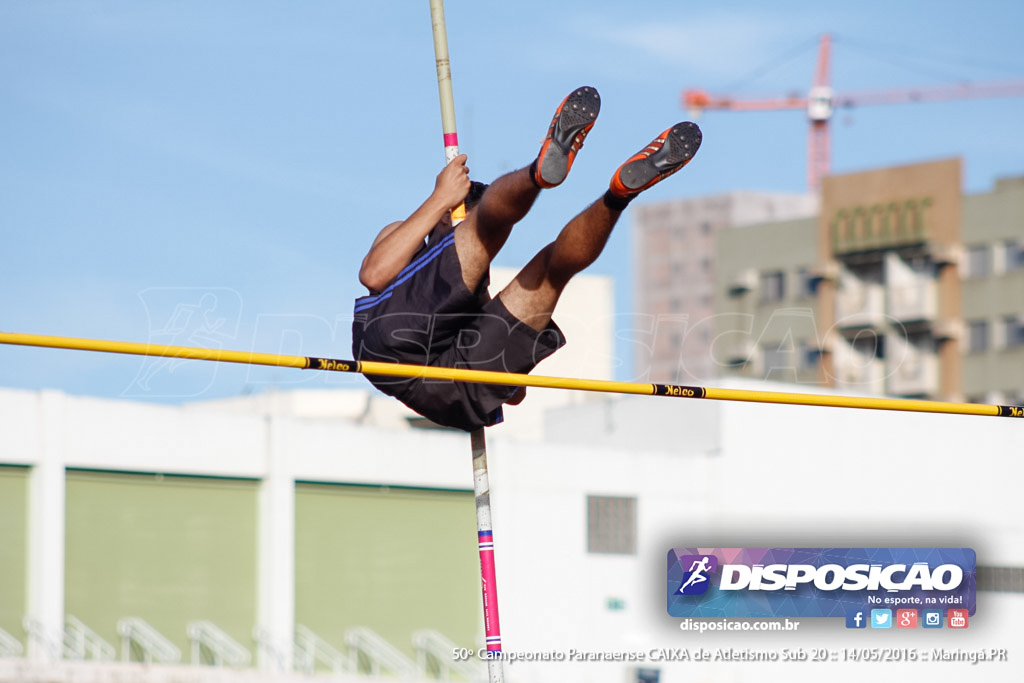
(395, 245)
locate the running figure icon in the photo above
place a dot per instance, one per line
(699, 570)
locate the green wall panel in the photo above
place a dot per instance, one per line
(394, 560)
(167, 549)
(13, 548)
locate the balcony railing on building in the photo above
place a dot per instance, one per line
(912, 368)
(913, 293)
(742, 282)
(859, 303)
(741, 353)
(857, 369)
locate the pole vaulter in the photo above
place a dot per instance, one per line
(512, 379)
(485, 538)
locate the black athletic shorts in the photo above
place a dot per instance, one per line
(427, 316)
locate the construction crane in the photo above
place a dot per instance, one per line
(821, 102)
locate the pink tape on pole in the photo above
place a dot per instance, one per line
(451, 139)
(492, 627)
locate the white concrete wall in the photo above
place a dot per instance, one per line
(51, 431)
(586, 315)
(769, 476)
(784, 476)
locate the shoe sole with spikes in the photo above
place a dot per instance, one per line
(666, 154)
(574, 118)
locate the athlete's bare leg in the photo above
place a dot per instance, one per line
(483, 233)
(533, 293)
(485, 230)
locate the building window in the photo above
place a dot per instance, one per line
(1014, 332)
(772, 286)
(809, 357)
(776, 359)
(807, 283)
(977, 336)
(870, 344)
(611, 524)
(1001, 579)
(1013, 252)
(979, 261)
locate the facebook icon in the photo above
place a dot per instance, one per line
(856, 619)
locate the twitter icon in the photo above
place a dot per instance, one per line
(881, 618)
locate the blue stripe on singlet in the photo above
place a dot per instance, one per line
(365, 303)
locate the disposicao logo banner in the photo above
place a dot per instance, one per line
(816, 582)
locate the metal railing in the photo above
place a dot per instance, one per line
(48, 643)
(266, 646)
(9, 645)
(223, 648)
(311, 648)
(431, 645)
(155, 647)
(81, 642)
(380, 653)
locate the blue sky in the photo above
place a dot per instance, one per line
(211, 173)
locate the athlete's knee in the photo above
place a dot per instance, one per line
(565, 263)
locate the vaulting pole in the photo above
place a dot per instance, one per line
(511, 379)
(444, 91)
(485, 543)
(478, 443)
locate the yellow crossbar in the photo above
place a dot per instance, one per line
(509, 379)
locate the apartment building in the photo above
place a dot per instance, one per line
(675, 245)
(900, 285)
(993, 294)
